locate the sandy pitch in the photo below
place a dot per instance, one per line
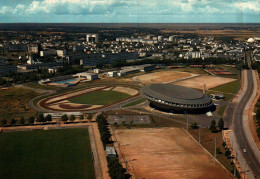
(129, 91)
(210, 81)
(166, 153)
(163, 77)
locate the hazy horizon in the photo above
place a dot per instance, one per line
(129, 11)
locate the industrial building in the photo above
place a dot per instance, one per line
(88, 76)
(5, 69)
(174, 98)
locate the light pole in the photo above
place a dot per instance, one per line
(215, 155)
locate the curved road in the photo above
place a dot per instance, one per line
(239, 132)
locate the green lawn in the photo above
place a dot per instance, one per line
(139, 101)
(100, 97)
(51, 154)
(229, 89)
(221, 110)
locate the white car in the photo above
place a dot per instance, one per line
(244, 150)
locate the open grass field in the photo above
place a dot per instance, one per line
(229, 89)
(100, 97)
(166, 153)
(55, 154)
(221, 110)
(14, 101)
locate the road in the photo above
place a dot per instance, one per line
(249, 161)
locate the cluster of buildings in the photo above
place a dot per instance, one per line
(51, 51)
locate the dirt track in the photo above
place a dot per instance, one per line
(60, 102)
(166, 153)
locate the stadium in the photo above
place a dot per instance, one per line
(178, 99)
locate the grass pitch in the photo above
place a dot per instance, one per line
(46, 154)
(100, 97)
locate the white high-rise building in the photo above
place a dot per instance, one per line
(92, 38)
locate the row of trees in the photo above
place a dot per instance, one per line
(213, 126)
(103, 129)
(207, 61)
(66, 69)
(22, 121)
(115, 169)
(258, 118)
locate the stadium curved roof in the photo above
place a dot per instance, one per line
(175, 94)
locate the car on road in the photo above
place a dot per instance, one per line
(244, 150)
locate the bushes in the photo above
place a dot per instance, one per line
(115, 169)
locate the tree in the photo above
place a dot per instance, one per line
(218, 150)
(72, 117)
(31, 120)
(3, 122)
(13, 121)
(64, 118)
(194, 125)
(212, 126)
(89, 116)
(221, 124)
(40, 118)
(81, 117)
(48, 118)
(22, 120)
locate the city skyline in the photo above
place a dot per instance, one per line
(137, 11)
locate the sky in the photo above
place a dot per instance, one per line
(130, 11)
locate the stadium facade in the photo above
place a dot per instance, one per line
(174, 98)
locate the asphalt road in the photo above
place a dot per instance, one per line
(239, 132)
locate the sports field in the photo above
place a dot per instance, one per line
(101, 97)
(55, 154)
(163, 77)
(166, 153)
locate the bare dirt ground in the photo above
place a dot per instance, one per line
(210, 81)
(166, 153)
(162, 77)
(126, 90)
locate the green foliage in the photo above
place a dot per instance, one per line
(22, 120)
(218, 150)
(81, 117)
(31, 120)
(103, 129)
(72, 117)
(227, 153)
(3, 122)
(13, 122)
(115, 169)
(221, 124)
(40, 117)
(194, 125)
(213, 126)
(48, 118)
(89, 116)
(64, 118)
(258, 131)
